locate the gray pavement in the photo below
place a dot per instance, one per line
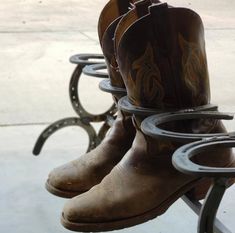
(36, 40)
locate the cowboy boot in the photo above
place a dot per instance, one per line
(164, 68)
(80, 175)
(138, 10)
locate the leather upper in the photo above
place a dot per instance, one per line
(164, 65)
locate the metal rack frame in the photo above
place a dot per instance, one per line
(84, 118)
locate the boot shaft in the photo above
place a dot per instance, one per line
(109, 18)
(162, 60)
(140, 8)
(135, 11)
(165, 66)
(111, 11)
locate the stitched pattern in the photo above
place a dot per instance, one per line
(195, 72)
(146, 87)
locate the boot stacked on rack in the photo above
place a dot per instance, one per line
(162, 60)
(139, 9)
(80, 175)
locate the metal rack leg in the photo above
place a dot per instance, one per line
(83, 120)
(208, 223)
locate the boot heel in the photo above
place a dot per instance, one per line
(200, 190)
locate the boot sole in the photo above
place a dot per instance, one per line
(132, 221)
(61, 193)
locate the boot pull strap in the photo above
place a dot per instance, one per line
(123, 6)
(142, 7)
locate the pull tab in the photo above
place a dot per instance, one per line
(142, 7)
(123, 6)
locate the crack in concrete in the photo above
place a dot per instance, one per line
(90, 38)
(26, 124)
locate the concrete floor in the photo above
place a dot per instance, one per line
(37, 38)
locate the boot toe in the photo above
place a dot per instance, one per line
(56, 180)
(78, 211)
(66, 178)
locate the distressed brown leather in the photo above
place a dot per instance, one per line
(89, 169)
(111, 11)
(171, 58)
(139, 9)
(163, 62)
(118, 26)
(141, 182)
(167, 68)
(108, 51)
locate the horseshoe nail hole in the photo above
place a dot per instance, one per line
(74, 97)
(73, 88)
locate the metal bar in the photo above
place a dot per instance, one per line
(85, 118)
(76, 103)
(210, 206)
(196, 206)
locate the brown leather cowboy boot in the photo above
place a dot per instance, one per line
(89, 169)
(139, 9)
(164, 67)
(75, 177)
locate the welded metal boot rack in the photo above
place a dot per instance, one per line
(207, 223)
(83, 118)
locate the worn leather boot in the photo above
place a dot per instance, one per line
(164, 68)
(81, 174)
(137, 10)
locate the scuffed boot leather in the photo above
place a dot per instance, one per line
(80, 175)
(139, 9)
(163, 68)
(89, 169)
(142, 186)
